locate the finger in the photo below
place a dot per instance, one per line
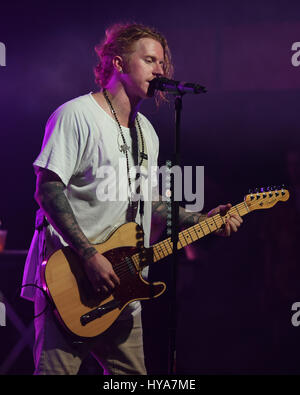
(227, 229)
(96, 286)
(234, 222)
(104, 290)
(232, 225)
(236, 218)
(224, 208)
(115, 279)
(109, 283)
(104, 284)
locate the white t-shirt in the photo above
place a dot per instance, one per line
(82, 146)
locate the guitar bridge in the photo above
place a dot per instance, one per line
(99, 312)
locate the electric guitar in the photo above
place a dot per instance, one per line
(84, 312)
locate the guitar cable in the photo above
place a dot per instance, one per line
(41, 222)
(48, 300)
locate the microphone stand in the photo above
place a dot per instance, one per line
(178, 89)
(174, 239)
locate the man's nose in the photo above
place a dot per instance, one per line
(158, 70)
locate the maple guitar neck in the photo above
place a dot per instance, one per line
(260, 200)
(196, 232)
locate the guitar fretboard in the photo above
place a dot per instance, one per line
(164, 248)
(196, 232)
(189, 235)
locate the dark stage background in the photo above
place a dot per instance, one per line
(234, 295)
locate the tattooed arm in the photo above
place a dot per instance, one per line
(51, 198)
(186, 218)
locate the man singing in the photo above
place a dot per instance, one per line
(82, 136)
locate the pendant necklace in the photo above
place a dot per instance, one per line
(124, 148)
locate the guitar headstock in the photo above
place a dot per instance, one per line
(260, 199)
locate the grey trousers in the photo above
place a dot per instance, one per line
(119, 350)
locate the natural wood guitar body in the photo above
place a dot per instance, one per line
(71, 291)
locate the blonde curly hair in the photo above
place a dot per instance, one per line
(118, 41)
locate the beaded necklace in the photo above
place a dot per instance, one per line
(125, 148)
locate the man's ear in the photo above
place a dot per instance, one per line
(118, 63)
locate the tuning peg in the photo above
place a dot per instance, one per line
(257, 193)
(271, 189)
(263, 192)
(251, 194)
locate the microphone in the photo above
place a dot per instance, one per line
(171, 86)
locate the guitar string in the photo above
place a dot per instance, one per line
(164, 248)
(192, 233)
(122, 270)
(203, 227)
